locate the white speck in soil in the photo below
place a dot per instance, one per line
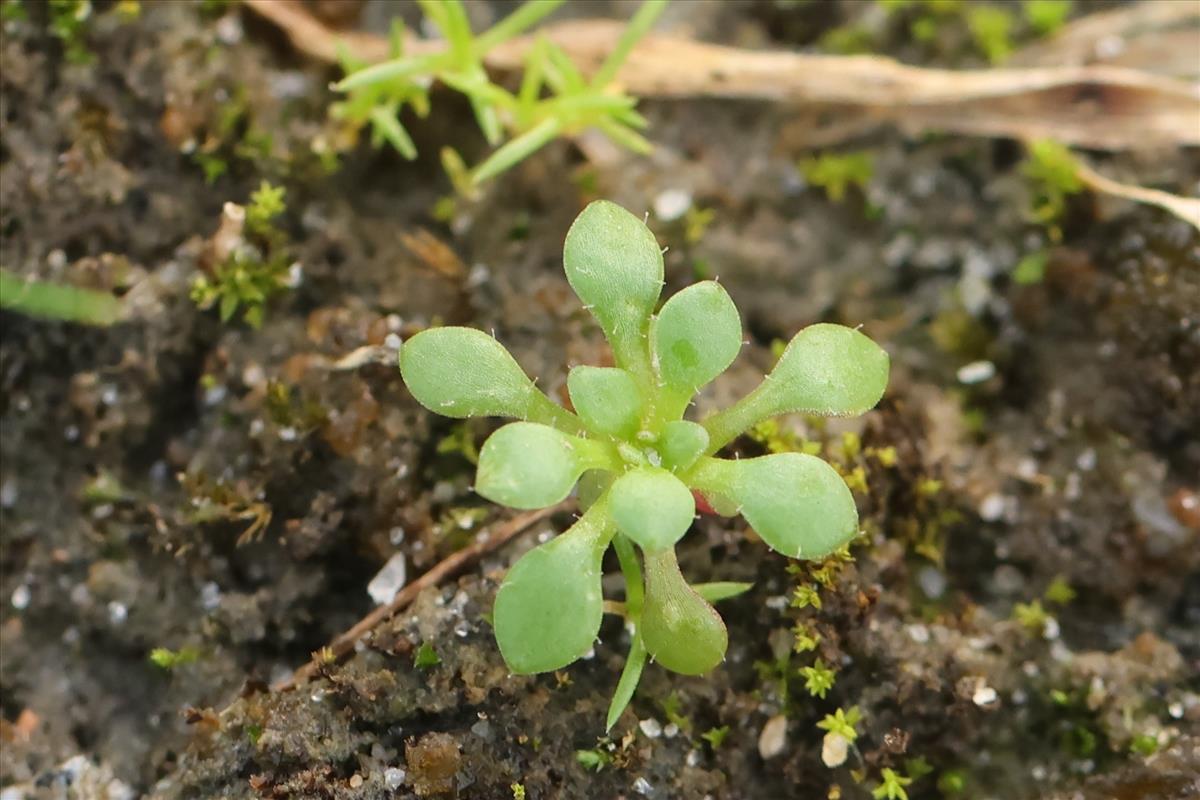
(210, 596)
(396, 536)
(672, 204)
(651, 727)
(389, 580)
(918, 633)
(671, 731)
(992, 507)
(773, 737)
(976, 372)
(393, 778)
(642, 786)
(933, 582)
(9, 493)
(482, 729)
(117, 612)
(984, 695)
(288, 434)
(1086, 460)
(462, 629)
(20, 597)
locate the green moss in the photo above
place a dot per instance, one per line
(426, 657)
(838, 173)
(991, 28)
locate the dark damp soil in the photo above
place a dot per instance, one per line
(1044, 436)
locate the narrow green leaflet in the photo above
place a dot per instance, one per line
(827, 370)
(652, 507)
(58, 301)
(527, 465)
(548, 609)
(615, 265)
(680, 629)
(797, 503)
(607, 399)
(462, 372)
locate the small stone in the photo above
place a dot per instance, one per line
(642, 786)
(356, 781)
(918, 633)
(773, 737)
(20, 597)
(984, 695)
(976, 372)
(117, 612)
(393, 778)
(389, 580)
(932, 581)
(834, 749)
(672, 204)
(992, 507)
(210, 596)
(671, 731)
(651, 727)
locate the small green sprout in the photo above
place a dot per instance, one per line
(170, 659)
(991, 27)
(426, 657)
(1144, 744)
(806, 596)
(1032, 616)
(553, 99)
(892, 787)
(255, 263)
(1046, 16)
(1059, 591)
(641, 466)
(842, 723)
(518, 791)
(1031, 269)
(1054, 176)
(836, 174)
(715, 736)
(818, 679)
(595, 759)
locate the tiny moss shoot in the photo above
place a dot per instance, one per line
(639, 463)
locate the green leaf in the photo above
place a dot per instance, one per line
(680, 629)
(652, 507)
(548, 608)
(58, 301)
(462, 372)
(696, 336)
(615, 265)
(607, 399)
(797, 503)
(631, 673)
(721, 590)
(527, 465)
(681, 443)
(827, 370)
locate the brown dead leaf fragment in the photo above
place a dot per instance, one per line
(1101, 107)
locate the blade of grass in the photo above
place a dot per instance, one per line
(643, 19)
(516, 150)
(515, 23)
(56, 301)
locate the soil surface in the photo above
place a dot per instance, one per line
(1021, 618)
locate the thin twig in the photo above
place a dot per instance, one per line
(344, 643)
(1102, 107)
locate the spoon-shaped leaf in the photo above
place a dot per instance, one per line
(462, 372)
(829, 370)
(607, 399)
(797, 503)
(652, 507)
(548, 608)
(679, 628)
(527, 465)
(615, 265)
(681, 443)
(696, 336)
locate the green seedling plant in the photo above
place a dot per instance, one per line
(640, 466)
(553, 100)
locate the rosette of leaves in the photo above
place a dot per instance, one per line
(639, 464)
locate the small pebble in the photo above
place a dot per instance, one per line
(642, 786)
(834, 749)
(672, 204)
(20, 597)
(117, 612)
(932, 581)
(389, 580)
(356, 781)
(992, 507)
(984, 695)
(773, 737)
(393, 778)
(651, 727)
(671, 731)
(976, 372)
